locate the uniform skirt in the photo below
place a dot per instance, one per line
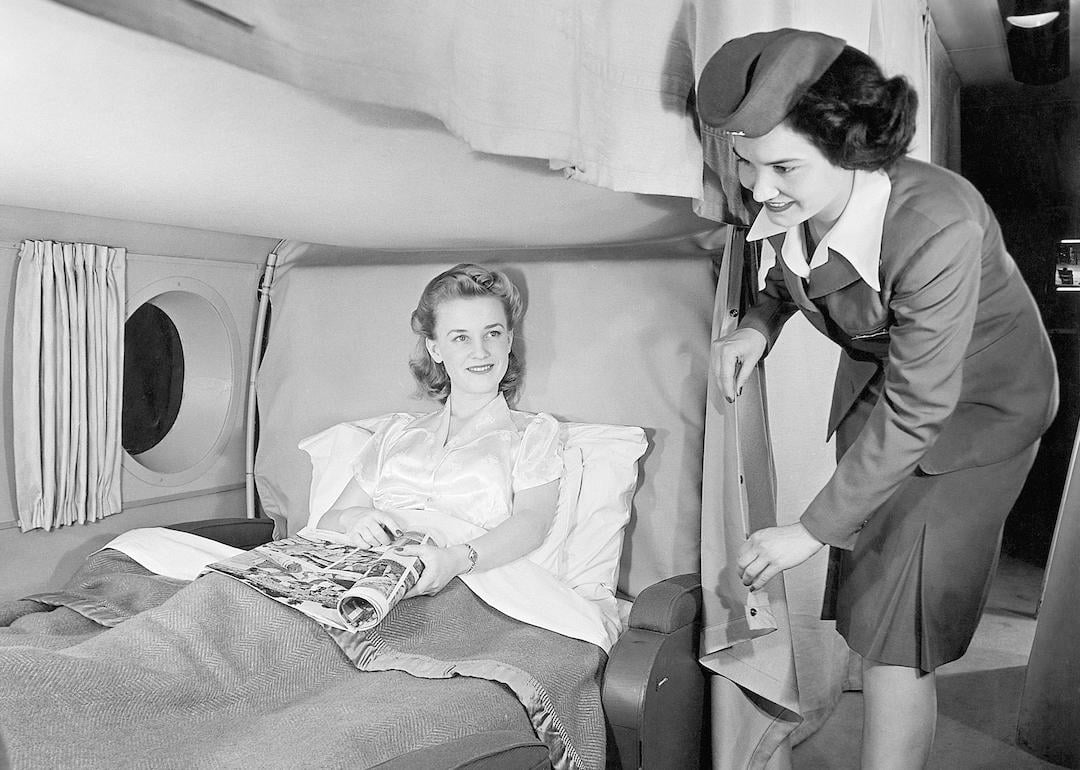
(912, 590)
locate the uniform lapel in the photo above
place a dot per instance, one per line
(795, 287)
(832, 276)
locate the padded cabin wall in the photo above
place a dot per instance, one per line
(32, 561)
(613, 335)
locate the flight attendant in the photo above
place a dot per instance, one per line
(946, 379)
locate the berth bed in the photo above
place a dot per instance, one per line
(610, 340)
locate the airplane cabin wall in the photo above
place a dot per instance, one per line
(221, 268)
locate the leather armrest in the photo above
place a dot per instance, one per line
(669, 605)
(654, 688)
(237, 532)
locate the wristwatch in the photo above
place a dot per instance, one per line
(472, 559)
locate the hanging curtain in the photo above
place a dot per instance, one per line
(746, 637)
(600, 88)
(597, 87)
(67, 389)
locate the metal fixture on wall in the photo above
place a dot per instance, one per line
(1037, 35)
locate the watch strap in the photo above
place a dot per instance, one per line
(472, 558)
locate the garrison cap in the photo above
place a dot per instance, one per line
(750, 85)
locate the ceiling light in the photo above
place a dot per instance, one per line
(1034, 20)
(1037, 35)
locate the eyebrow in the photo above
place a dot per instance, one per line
(770, 163)
(495, 325)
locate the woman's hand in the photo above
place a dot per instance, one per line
(441, 565)
(770, 551)
(734, 358)
(368, 527)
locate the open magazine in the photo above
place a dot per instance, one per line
(344, 586)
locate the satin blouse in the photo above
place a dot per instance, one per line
(410, 464)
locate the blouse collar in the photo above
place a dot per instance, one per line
(493, 416)
(856, 236)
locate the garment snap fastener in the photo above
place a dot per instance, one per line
(753, 612)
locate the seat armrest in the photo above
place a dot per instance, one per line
(654, 688)
(237, 532)
(669, 605)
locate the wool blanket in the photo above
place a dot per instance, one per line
(124, 668)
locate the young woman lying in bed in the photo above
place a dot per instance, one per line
(479, 477)
(475, 459)
(210, 673)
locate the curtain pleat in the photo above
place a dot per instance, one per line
(746, 637)
(68, 356)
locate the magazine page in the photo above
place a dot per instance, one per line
(382, 585)
(344, 586)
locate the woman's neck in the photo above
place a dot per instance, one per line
(820, 224)
(465, 405)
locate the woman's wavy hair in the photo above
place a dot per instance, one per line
(857, 117)
(464, 280)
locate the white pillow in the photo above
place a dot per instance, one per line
(600, 476)
(552, 553)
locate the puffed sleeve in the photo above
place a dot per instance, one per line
(539, 457)
(338, 454)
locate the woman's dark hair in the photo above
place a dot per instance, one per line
(857, 117)
(464, 280)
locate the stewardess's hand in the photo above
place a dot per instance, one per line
(734, 358)
(770, 551)
(369, 527)
(441, 565)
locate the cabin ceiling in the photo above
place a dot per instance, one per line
(106, 121)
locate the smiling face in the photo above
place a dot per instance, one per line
(792, 178)
(472, 342)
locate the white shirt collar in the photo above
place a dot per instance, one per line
(856, 235)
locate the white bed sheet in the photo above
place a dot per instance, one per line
(169, 552)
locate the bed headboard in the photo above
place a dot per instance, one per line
(608, 341)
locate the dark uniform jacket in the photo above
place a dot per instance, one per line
(969, 377)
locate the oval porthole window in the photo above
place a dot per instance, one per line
(181, 366)
(153, 378)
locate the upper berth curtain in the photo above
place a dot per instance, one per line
(67, 390)
(600, 88)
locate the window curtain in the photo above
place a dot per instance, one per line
(67, 387)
